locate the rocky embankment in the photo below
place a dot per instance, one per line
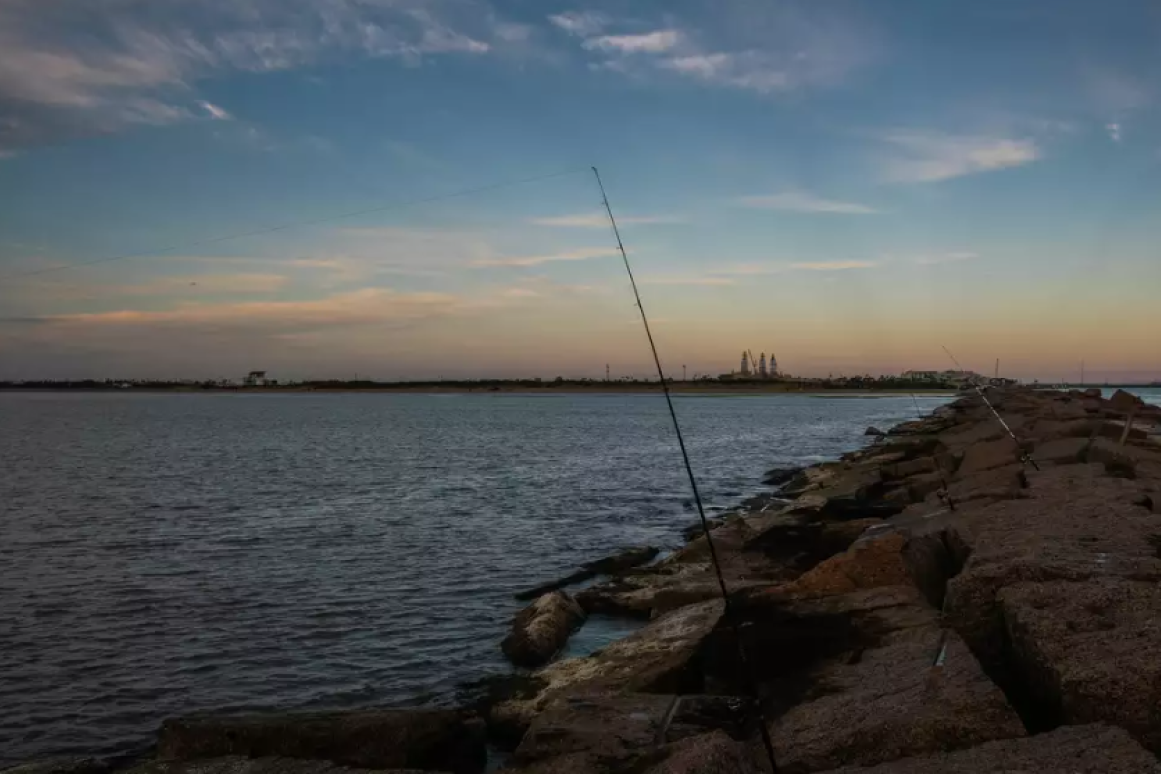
(947, 599)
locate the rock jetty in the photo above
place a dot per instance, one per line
(947, 599)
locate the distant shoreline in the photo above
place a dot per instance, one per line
(678, 389)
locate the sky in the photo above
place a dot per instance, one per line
(401, 189)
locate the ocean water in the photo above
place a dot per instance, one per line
(162, 554)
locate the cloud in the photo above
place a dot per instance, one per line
(953, 257)
(1114, 130)
(651, 42)
(760, 47)
(583, 254)
(923, 157)
(599, 219)
(833, 265)
(580, 23)
(709, 281)
(98, 67)
(216, 113)
(797, 201)
(1110, 91)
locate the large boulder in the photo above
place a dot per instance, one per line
(870, 563)
(540, 630)
(433, 740)
(1093, 749)
(660, 658)
(625, 560)
(1088, 651)
(1074, 523)
(920, 692)
(621, 727)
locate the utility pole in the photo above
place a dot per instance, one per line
(683, 373)
(606, 372)
(997, 375)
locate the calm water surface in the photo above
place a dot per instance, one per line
(161, 554)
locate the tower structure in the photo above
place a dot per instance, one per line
(762, 366)
(745, 364)
(773, 364)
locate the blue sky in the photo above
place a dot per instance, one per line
(850, 184)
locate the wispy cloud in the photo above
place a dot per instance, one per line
(583, 254)
(580, 23)
(97, 67)
(941, 258)
(833, 265)
(216, 113)
(709, 281)
(763, 48)
(798, 201)
(924, 157)
(1114, 130)
(601, 220)
(652, 42)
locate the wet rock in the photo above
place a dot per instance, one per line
(610, 565)
(242, 765)
(1091, 749)
(659, 658)
(625, 560)
(1088, 651)
(920, 692)
(874, 431)
(779, 476)
(1092, 392)
(434, 740)
(569, 580)
(540, 630)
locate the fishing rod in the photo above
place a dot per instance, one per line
(729, 611)
(1024, 456)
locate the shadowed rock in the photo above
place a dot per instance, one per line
(1093, 749)
(239, 765)
(433, 740)
(540, 630)
(1089, 650)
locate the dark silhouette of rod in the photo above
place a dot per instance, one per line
(1024, 456)
(731, 619)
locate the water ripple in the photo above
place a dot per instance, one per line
(162, 554)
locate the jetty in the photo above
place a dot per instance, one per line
(960, 595)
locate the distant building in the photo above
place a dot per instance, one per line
(255, 379)
(773, 365)
(745, 364)
(762, 366)
(957, 377)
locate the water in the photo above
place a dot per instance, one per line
(161, 554)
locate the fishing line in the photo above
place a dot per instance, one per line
(1024, 458)
(731, 618)
(298, 224)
